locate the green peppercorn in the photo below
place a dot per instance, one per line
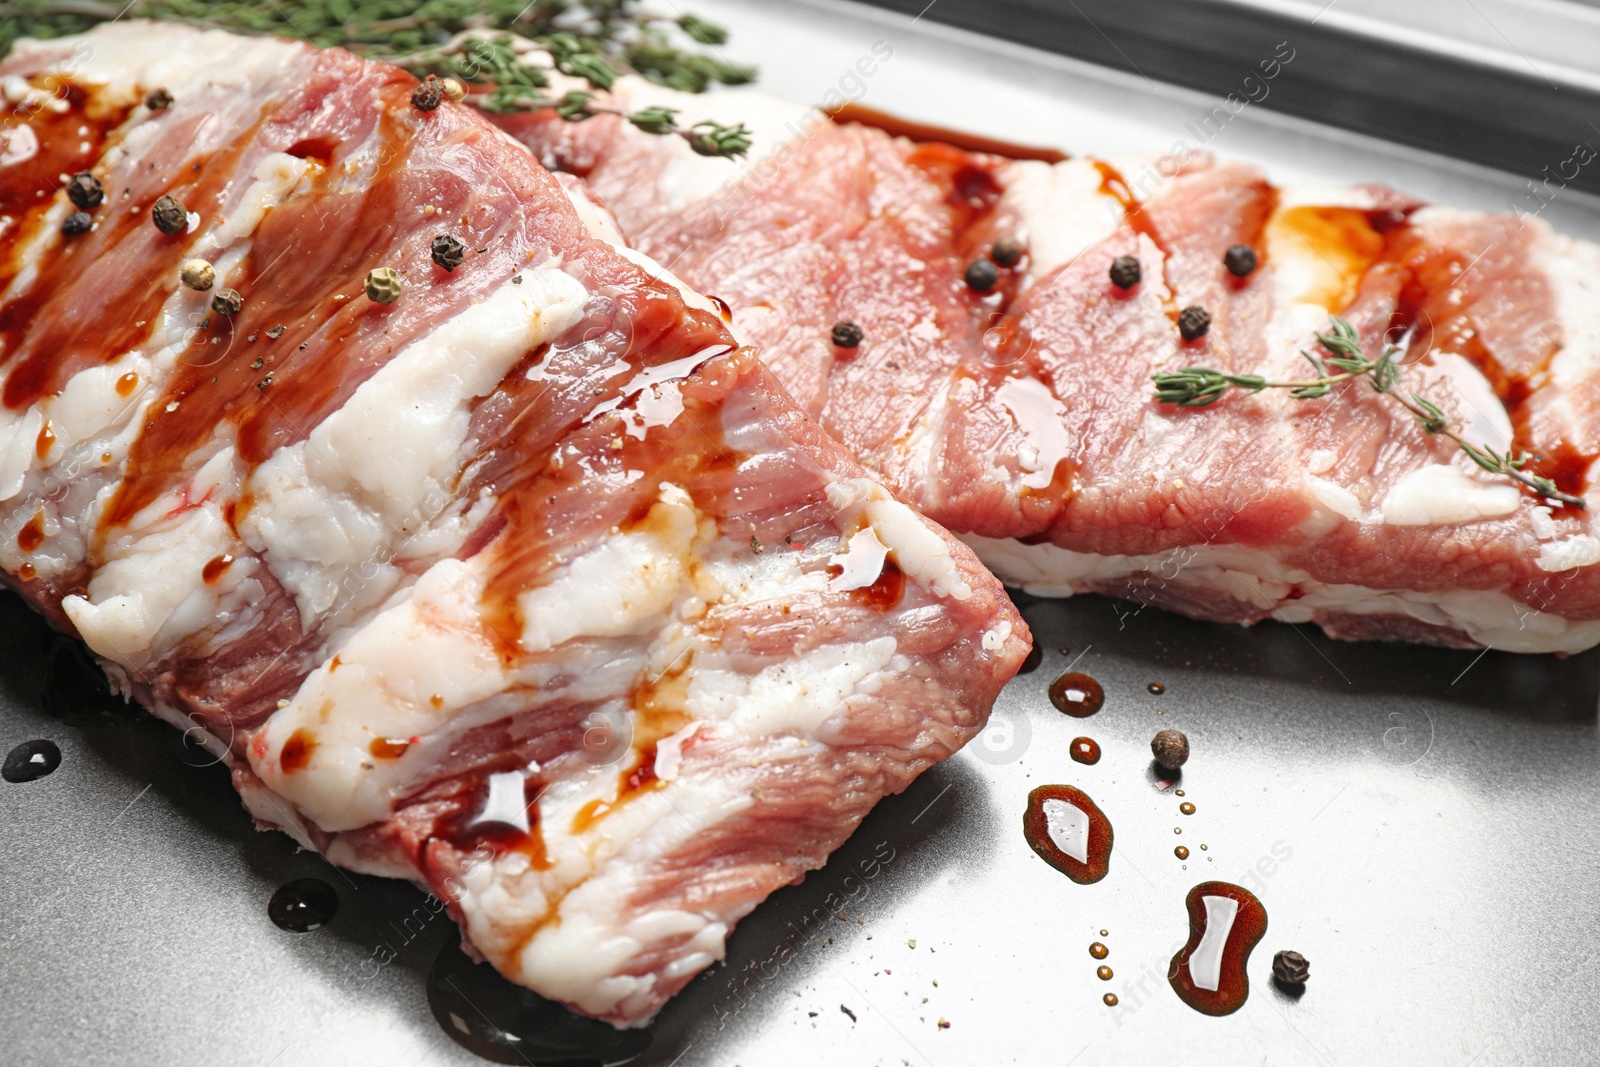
(981, 275)
(1125, 272)
(1240, 260)
(429, 95)
(197, 274)
(227, 302)
(1193, 322)
(85, 190)
(1007, 252)
(170, 216)
(448, 252)
(384, 285)
(76, 223)
(159, 100)
(847, 335)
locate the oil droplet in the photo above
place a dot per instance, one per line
(1203, 848)
(1181, 852)
(1099, 951)
(1077, 695)
(46, 440)
(1069, 832)
(1103, 973)
(388, 747)
(1177, 829)
(1085, 750)
(1105, 933)
(504, 1023)
(31, 761)
(1156, 688)
(1186, 807)
(27, 572)
(127, 383)
(1177, 792)
(1110, 1000)
(1225, 922)
(216, 568)
(303, 905)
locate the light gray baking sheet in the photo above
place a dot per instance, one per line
(1421, 824)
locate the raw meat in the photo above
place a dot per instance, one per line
(532, 586)
(1022, 418)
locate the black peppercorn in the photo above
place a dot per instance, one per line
(1170, 748)
(1193, 322)
(981, 275)
(1007, 252)
(1125, 272)
(448, 252)
(847, 335)
(169, 216)
(1291, 968)
(76, 223)
(227, 302)
(429, 95)
(275, 333)
(85, 191)
(1240, 260)
(159, 100)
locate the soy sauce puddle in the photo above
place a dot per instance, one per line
(1077, 695)
(30, 761)
(1225, 922)
(505, 1023)
(1069, 832)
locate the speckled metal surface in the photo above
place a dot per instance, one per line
(1419, 823)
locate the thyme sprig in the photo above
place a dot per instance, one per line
(1194, 387)
(484, 44)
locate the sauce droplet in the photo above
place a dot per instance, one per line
(1177, 792)
(505, 1023)
(1099, 951)
(388, 747)
(1186, 807)
(303, 905)
(31, 536)
(31, 761)
(1181, 852)
(1068, 832)
(1105, 933)
(1076, 694)
(1085, 750)
(1110, 1000)
(297, 751)
(1156, 688)
(1103, 973)
(1225, 923)
(216, 568)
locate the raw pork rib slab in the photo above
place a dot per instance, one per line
(1022, 419)
(531, 587)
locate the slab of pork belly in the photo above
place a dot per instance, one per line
(1022, 419)
(532, 586)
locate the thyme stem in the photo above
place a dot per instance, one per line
(1194, 387)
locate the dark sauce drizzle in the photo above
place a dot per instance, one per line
(1097, 850)
(1249, 927)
